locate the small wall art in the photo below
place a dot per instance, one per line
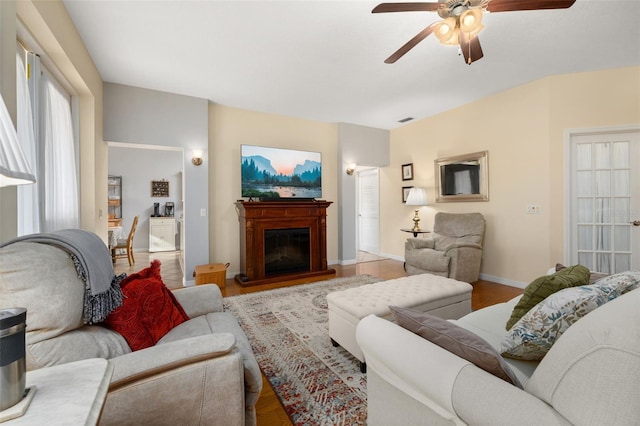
(405, 193)
(159, 188)
(407, 171)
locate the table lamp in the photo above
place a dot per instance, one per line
(417, 197)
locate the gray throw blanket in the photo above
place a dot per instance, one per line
(93, 263)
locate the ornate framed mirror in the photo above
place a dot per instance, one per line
(463, 177)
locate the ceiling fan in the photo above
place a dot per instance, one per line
(461, 21)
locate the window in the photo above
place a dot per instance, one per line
(45, 130)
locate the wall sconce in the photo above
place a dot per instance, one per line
(197, 157)
(351, 168)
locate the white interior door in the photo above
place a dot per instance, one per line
(368, 211)
(605, 201)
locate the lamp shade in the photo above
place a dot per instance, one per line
(447, 31)
(14, 169)
(417, 197)
(471, 21)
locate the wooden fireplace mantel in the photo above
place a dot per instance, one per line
(258, 216)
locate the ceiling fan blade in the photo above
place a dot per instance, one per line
(512, 5)
(406, 7)
(471, 49)
(410, 44)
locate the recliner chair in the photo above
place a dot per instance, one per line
(202, 371)
(453, 250)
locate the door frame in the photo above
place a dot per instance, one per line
(568, 135)
(358, 202)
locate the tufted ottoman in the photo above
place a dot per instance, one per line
(436, 295)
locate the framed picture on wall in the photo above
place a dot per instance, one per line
(159, 188)
(407, 171)
(405, 193)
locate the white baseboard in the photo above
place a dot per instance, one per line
(343, 262)
(392, 256)
(503, 281)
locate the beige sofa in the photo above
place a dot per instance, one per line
(202, 372)
(589, 376)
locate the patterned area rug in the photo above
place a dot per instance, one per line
(289, 331)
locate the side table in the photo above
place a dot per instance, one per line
(415, 233)
(67, 394)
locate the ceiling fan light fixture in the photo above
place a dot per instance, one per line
(461, 21)
(471, 20)
(447, 31)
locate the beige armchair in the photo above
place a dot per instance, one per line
(202, 371)
(453, 250)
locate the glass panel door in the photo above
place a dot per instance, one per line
(605, 201)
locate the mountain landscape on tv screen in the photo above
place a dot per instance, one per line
(261, 179)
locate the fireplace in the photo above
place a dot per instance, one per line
(286, 251)
(282, 241)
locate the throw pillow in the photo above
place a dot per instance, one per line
(593, 277)
(618, 284)
(456, 340)
(534, 334)
(149, 309)
(546, 285)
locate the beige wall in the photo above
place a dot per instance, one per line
(8, 195)
(523, 129)
(228, 129)
(586, 100)
(52, 28)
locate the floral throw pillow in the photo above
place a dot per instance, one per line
(618, 284)
(534, 334)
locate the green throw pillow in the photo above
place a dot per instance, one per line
(545, 286)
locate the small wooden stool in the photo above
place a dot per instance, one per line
(213, 273)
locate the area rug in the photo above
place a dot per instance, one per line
(289, 331)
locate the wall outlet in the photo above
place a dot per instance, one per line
(203, 212)
(533, 209)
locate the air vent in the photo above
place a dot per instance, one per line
(404, 120)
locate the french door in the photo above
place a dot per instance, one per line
(605, 200)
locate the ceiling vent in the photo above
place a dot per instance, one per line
(404, 120)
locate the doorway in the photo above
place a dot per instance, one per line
(139, 166)
(604, 199)
(368, 214)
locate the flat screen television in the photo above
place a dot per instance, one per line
(276, 173)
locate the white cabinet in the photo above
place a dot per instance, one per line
(162, 234)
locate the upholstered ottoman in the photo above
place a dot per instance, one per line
(436, 295)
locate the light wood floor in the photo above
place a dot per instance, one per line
(269, 409)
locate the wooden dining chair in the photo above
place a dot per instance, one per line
(124, 248)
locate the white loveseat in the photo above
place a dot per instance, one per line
(590, 376)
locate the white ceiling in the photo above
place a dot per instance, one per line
(323, 60)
